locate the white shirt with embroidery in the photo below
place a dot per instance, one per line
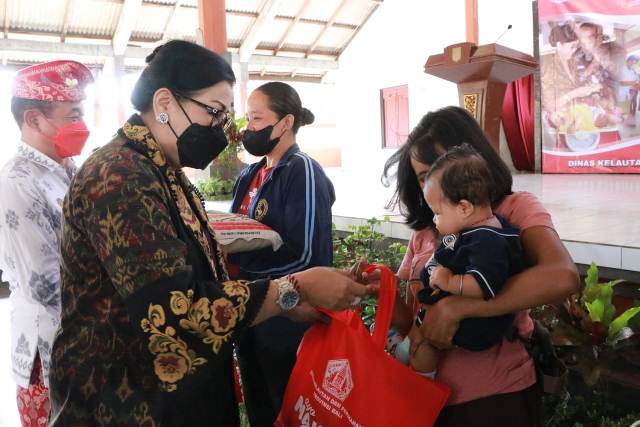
(32, 188)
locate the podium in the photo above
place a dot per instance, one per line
(482, 74)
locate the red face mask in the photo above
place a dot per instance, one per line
(70, 139)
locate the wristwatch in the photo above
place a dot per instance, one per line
(288, 295)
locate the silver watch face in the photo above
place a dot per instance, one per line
(289, 299)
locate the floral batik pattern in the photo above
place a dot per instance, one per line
(149, 313)
(31, 188)
(33, 400)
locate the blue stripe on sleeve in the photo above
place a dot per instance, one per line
(309, 226)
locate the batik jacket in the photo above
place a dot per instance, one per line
(148, 312)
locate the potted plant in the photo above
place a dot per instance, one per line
(225, 168)
(365, 241)
(596, 337)
(227, 165)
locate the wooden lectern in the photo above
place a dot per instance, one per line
(482, 74)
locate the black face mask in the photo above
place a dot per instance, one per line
(257, 143)
(198, 145)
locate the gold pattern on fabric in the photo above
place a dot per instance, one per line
(173, 359)
(89, 389)
(142, 415)
(240, 290)
(124, 391)
(196, 203)
(189, 205)
(213, 321)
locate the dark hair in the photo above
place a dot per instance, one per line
(439, 131)
(179, 66)
(597, 28)
(562, 33)
(20, 105)
(465, 176)
(283, 100)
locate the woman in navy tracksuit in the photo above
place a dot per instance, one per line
(288, 191)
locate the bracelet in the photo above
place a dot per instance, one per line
(461, 283)
(294, 281)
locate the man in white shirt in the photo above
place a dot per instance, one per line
(47, 106)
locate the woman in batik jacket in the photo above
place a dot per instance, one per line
(148, 311)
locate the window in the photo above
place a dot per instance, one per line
(395, 115)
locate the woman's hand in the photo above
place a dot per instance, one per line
(329, 288)
(370, 280)
(356, 271)
(305, 312)
(442, 319)
(440, 278)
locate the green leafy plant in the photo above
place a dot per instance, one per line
(599, 410)
(225, 168)
(216, 188)
(366, 241)
(593, 336)
(227, 165)
(589, 318)
(596, 301)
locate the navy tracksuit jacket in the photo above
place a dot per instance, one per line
(296, 202)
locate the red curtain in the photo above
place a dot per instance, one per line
(518, 122)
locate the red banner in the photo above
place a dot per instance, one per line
(558, 8)
(590, 82)
(625, 159)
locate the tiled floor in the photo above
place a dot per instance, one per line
(602, 209)
(595, 215)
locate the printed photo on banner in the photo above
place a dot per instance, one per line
(590, 79)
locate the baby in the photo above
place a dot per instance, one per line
(479, 251)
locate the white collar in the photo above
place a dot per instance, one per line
(36, 156)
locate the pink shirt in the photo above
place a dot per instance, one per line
(421, 246)
(506, 367)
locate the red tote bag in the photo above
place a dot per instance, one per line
(343, 377)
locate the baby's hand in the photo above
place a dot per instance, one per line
(440, 278)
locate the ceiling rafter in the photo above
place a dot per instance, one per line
(68, 6)
(295, 20)
(105, 50)
(126, 23)
(6, 19)
(172, 14)
(286, 57)
(376, 4)
(326, 27)
(165, 5)
(291, 18)
(310, 78)
(252, 39)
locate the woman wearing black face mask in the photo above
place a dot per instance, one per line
(288, 191)
(148, 311)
